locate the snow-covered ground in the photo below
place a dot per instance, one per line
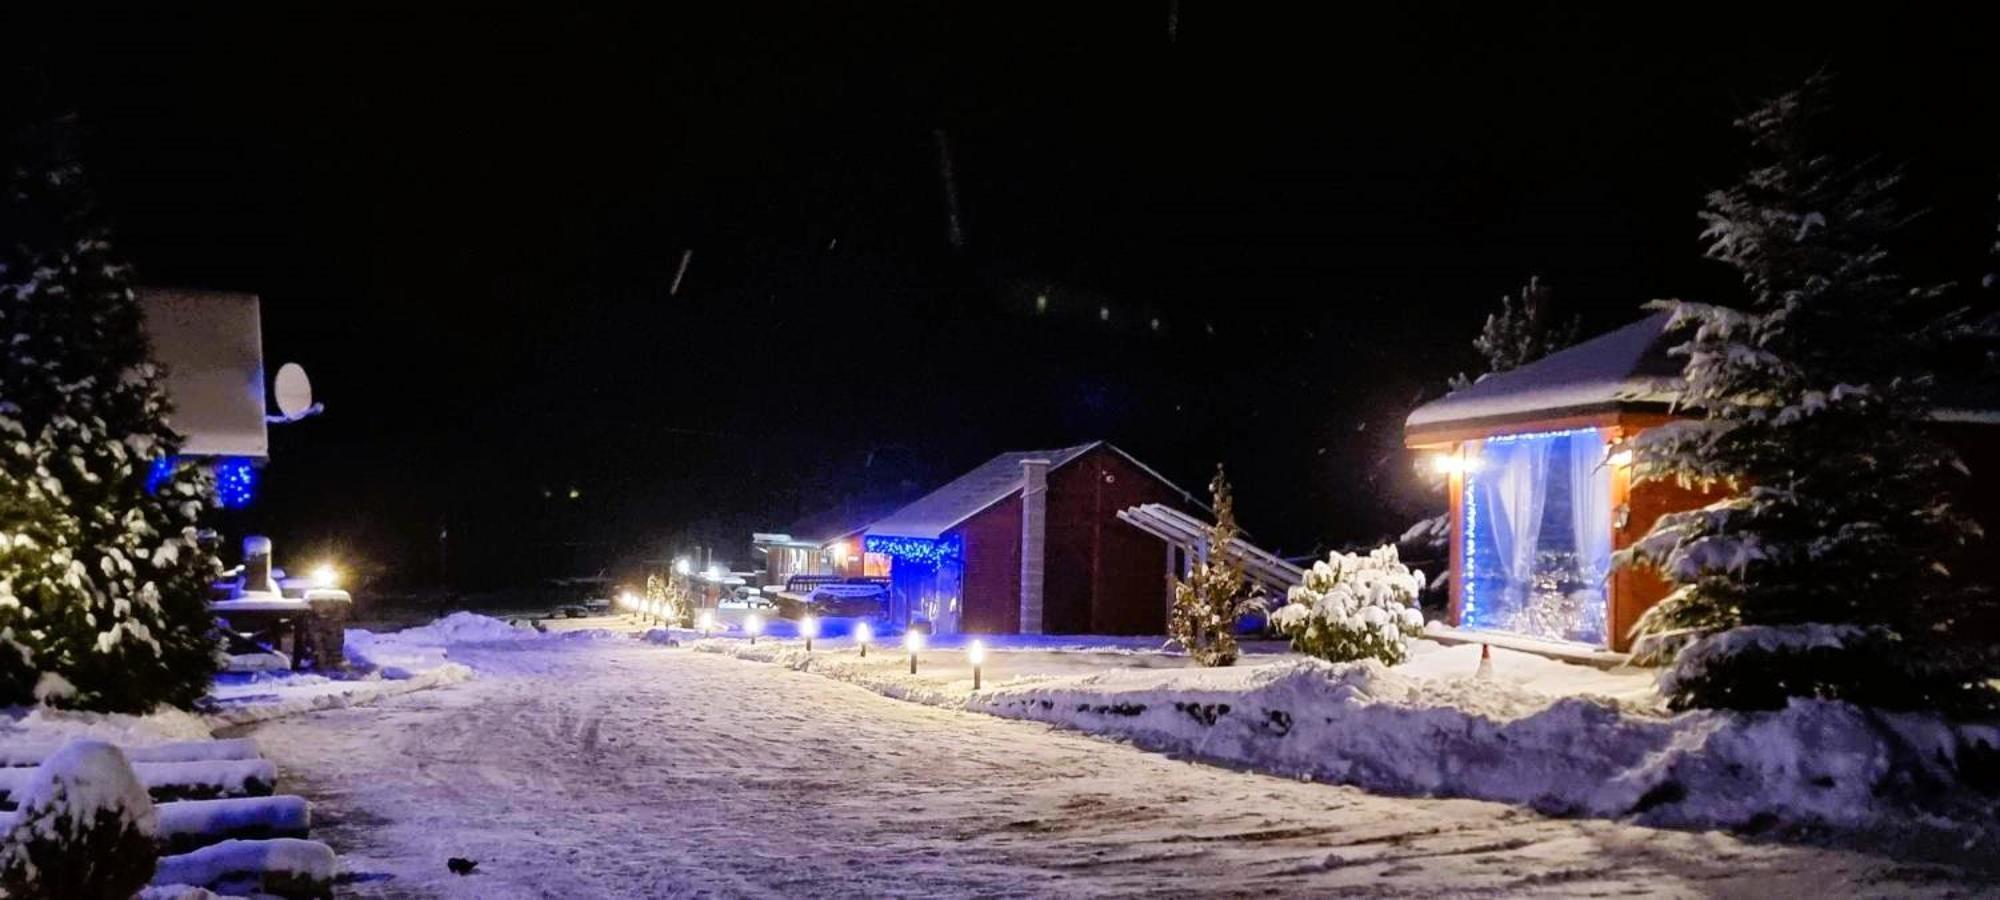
(1557, 737)
(384, 664)
(585, 765)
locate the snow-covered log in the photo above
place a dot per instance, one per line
(183, 751)
(287, 867)
(190, 824)
(166, 781)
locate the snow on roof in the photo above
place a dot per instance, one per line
(937, 512)
(844, 520)
(1624, 368)
(212, 346)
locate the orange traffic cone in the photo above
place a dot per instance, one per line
(1485, 663)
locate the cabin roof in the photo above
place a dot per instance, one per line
(1629, 368)
(992, 481)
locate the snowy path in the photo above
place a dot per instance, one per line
(608, 768)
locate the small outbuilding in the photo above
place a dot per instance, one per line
(1029, 542)
(1541, 496)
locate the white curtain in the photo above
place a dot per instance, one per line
(1590, 491)
(1514, 477)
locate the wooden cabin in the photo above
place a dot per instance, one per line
(1029, 542)
(1541, 497)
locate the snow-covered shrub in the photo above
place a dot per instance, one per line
(1354, 607)
(85, 828)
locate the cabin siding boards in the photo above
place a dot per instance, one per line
(1101, 576)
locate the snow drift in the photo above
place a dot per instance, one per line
(1814, 763)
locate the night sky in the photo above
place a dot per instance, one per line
(1261, 240)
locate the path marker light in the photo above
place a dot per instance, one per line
(324, 575)
(705, 622)
(975, 654)
(913, 641)
(754, 624)
(862, 635)
(809, 628)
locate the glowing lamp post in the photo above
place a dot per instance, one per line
(753, 624)
(976, 654)
(913, 641)
(809, 629)
(862, 635)
(682, 566)
(705, 623)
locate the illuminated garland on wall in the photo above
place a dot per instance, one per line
(235, 482)
(919, 551)
(235, 479)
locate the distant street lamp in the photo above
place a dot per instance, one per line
(682, 566)
(862, 635)
(754, 624)
(975, 654)
(809, 627)
(913, 641)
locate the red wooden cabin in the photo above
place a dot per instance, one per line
(1540, 495)
(1029, 542)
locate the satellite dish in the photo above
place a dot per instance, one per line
(294, 392)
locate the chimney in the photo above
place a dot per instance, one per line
(1034, 533)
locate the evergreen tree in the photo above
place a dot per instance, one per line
(1521, 332)
(1824, 571)
(103, 585)
(1209, 601)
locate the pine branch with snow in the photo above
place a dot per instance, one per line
(1811, 397)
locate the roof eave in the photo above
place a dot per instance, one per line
(1452, 431)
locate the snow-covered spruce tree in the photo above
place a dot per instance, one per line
(1215, 594)
(1824, 570)
(103, 586)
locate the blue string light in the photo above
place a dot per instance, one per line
(235, 481)
(926, 552)
(1469, 608)
(160, 473)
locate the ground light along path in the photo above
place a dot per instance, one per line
(608, 768)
